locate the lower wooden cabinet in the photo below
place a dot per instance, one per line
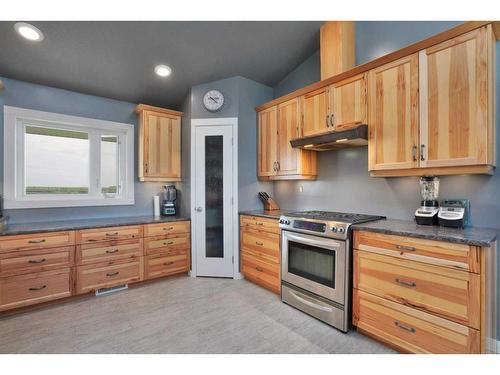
(107, 274)
(165, 265)
(28, 289)
(423, 296)
(260, 251)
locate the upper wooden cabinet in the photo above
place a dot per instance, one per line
(267, 142)
(277, 126)
(348, 103)
(456, 79)
(393, 115)
(316, 112)
(455, 131)
(159, 144)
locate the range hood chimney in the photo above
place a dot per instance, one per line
(354, 137)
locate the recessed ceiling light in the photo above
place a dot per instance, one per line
(163, 70)
(28, 31)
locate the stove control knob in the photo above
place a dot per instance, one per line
(287, 222)
(334, 229)
(341, 230)
(282, 221)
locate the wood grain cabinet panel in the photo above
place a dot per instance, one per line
(29, 261)
(260, 224)
(108, 250)
(109, 234)
(349, 107)
(264, 273)
(36, 241)
(32, 288)
(455, 90)
(439, 253)
(165, 265)
(316, 112)
(411, 330)
(159, 144)
(393, 115)
(167, 244)
(160, 229)
(108, 274)
(288, 129)
(451, 294)
(267, 142)
(261, 244)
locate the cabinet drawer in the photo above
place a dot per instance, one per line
(108, 274)
(261, 244)
(108, 250)
(174, 227)
(260, 223)
(263, 273)
(28, 261)
(23, 290)
(411, 330)
(158, 266)
(36, 241)
(451, 255)
(107, 234)
(451, 294)
(166, 244)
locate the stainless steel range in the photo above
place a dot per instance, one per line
(316, 263)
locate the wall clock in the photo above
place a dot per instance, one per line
(213, 100)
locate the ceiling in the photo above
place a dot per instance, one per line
(116, 59)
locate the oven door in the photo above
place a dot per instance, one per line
(315, 264)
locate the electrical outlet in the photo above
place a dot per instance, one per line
(301, 189)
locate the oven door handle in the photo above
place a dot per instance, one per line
(310, 303)
(324, 243)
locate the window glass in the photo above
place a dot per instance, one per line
(109, 164)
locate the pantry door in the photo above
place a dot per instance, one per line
(213, 218)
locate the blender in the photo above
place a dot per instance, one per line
(427, 213)
(169, 198)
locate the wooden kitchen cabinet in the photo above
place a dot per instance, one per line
(393, 115)
(424, 296)
(348, 103)
(267, 142)
(456, 100)
(316, 112)
(159, 144)
(289, 162)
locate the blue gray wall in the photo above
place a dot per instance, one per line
(43, 98)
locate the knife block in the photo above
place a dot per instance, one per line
(271, 205)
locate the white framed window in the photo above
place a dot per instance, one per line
(55, 160)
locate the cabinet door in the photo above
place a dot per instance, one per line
(162, 141)
(393, 115)
(348, 108)
(454, 92)
(288, 129)
(316, 112)
(267, 142)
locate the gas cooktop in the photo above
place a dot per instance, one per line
(324, 223)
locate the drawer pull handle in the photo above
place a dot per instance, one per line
(37, 261)
(259, 223)
(259, 243)
(39, 288)
(112, 251)
(37, 241)
(168, 243)
(405, 327)
(168, 228)
(112, 274)
(112, 234)
(259, 269)
(168, 263)
(91, 240)
(406, 283)
(407, 248)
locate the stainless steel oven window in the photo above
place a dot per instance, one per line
(313, 263)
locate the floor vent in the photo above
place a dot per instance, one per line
(114, 289)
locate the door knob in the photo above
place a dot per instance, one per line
(199, 209)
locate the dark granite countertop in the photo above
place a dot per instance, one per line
(274, 214)
(55, 226)
(470, 235)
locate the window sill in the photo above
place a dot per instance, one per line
(91, 202)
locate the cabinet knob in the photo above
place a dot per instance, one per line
(422, 148)
(327, 118)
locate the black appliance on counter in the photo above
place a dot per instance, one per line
(169, 196)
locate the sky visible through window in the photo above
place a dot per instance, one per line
(57, 162)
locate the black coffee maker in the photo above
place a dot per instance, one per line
(169, 197)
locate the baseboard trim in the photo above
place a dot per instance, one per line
(493, 346)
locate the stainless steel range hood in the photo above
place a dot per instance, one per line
(354, 137)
